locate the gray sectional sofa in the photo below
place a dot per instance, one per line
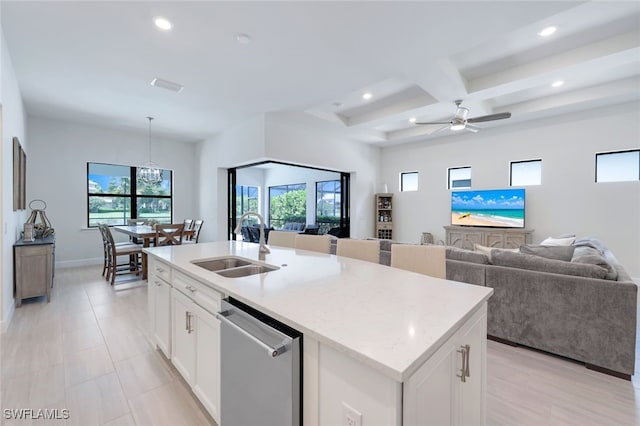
(583, 307)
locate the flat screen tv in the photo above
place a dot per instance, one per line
(498, 208)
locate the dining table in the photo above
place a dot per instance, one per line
(145, 233)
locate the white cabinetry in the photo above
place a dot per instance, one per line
(184, 338)
(449, 389)
(196, 339)
(159, 304)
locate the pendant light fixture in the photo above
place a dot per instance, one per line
(150, 173)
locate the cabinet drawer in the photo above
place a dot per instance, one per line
(160, 269)
(203, 295)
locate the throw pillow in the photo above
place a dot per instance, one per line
(550, 252)
(591, 256)
(487, 250)
(550, 241)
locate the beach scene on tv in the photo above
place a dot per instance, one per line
(503, 208)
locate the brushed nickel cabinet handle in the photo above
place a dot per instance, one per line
(189, 328)
(464, 371)
(186, 320)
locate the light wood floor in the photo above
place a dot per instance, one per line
(88, 351)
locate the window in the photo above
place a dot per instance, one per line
(247, 201)
(115, 195)
(459, 177)
(287, 203)
(619, 166)
(524, 173)
(328, 204)
(408, 181)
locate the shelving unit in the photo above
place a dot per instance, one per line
(384, 218)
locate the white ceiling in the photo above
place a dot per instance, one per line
(92, 62)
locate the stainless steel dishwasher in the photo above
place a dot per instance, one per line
(260, 369)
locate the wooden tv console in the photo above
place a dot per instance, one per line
(467, 236)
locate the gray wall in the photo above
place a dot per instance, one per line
(568, 201)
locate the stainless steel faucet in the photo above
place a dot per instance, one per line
(263, 250)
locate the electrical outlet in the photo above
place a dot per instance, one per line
(350, 417)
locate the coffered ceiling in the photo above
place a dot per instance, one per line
(93, 62)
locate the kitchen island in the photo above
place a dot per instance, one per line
(395, 347)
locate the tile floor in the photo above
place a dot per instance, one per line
(88, 351)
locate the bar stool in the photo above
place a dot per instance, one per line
(368, 250)
(319, 243)
(282, 239)
(428, 260)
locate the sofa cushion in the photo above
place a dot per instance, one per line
(549, 252)
(591, 256)
(537, 263)
(488, 250)
(455, 253)
(550, 241)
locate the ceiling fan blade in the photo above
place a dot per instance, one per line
(441, 129)
(490, 117)
(434, 122)
(471, 128)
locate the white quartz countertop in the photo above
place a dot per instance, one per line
(390, 319)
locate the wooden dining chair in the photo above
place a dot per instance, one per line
(188, 224)
(368, 250)
(319, 243)
(195, 236)
(428, 260)
(282, 239)
(115, 250)
(169, 234)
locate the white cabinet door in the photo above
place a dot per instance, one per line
(151, 304)
(431, 392)
(183, 354)
(436, 393)
(473, 390)
(206, 384)
(162, 317)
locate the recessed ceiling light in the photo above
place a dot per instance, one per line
(367, 96)
(162, 23)
(557, 83)
(412, 120)
(547, 31)
(242, 38)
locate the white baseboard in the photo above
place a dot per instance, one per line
(4, 324)
(79, 262)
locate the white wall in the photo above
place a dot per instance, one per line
(568, 201)
(13, 124)
(299, 144)
(240, 144)
(57, 174)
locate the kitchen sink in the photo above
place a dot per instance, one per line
(233, 267)
(221, 263)
(244, 271)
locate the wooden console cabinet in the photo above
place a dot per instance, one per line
(33, 268)
(467, 236)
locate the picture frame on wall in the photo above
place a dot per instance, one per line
(19, 176)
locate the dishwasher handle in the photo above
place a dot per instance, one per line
(272, 351)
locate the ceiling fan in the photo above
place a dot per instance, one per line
(461, 122)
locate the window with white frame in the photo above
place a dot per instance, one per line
(459, 177)
(621, 166)
(526, 173)
(408, 181)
